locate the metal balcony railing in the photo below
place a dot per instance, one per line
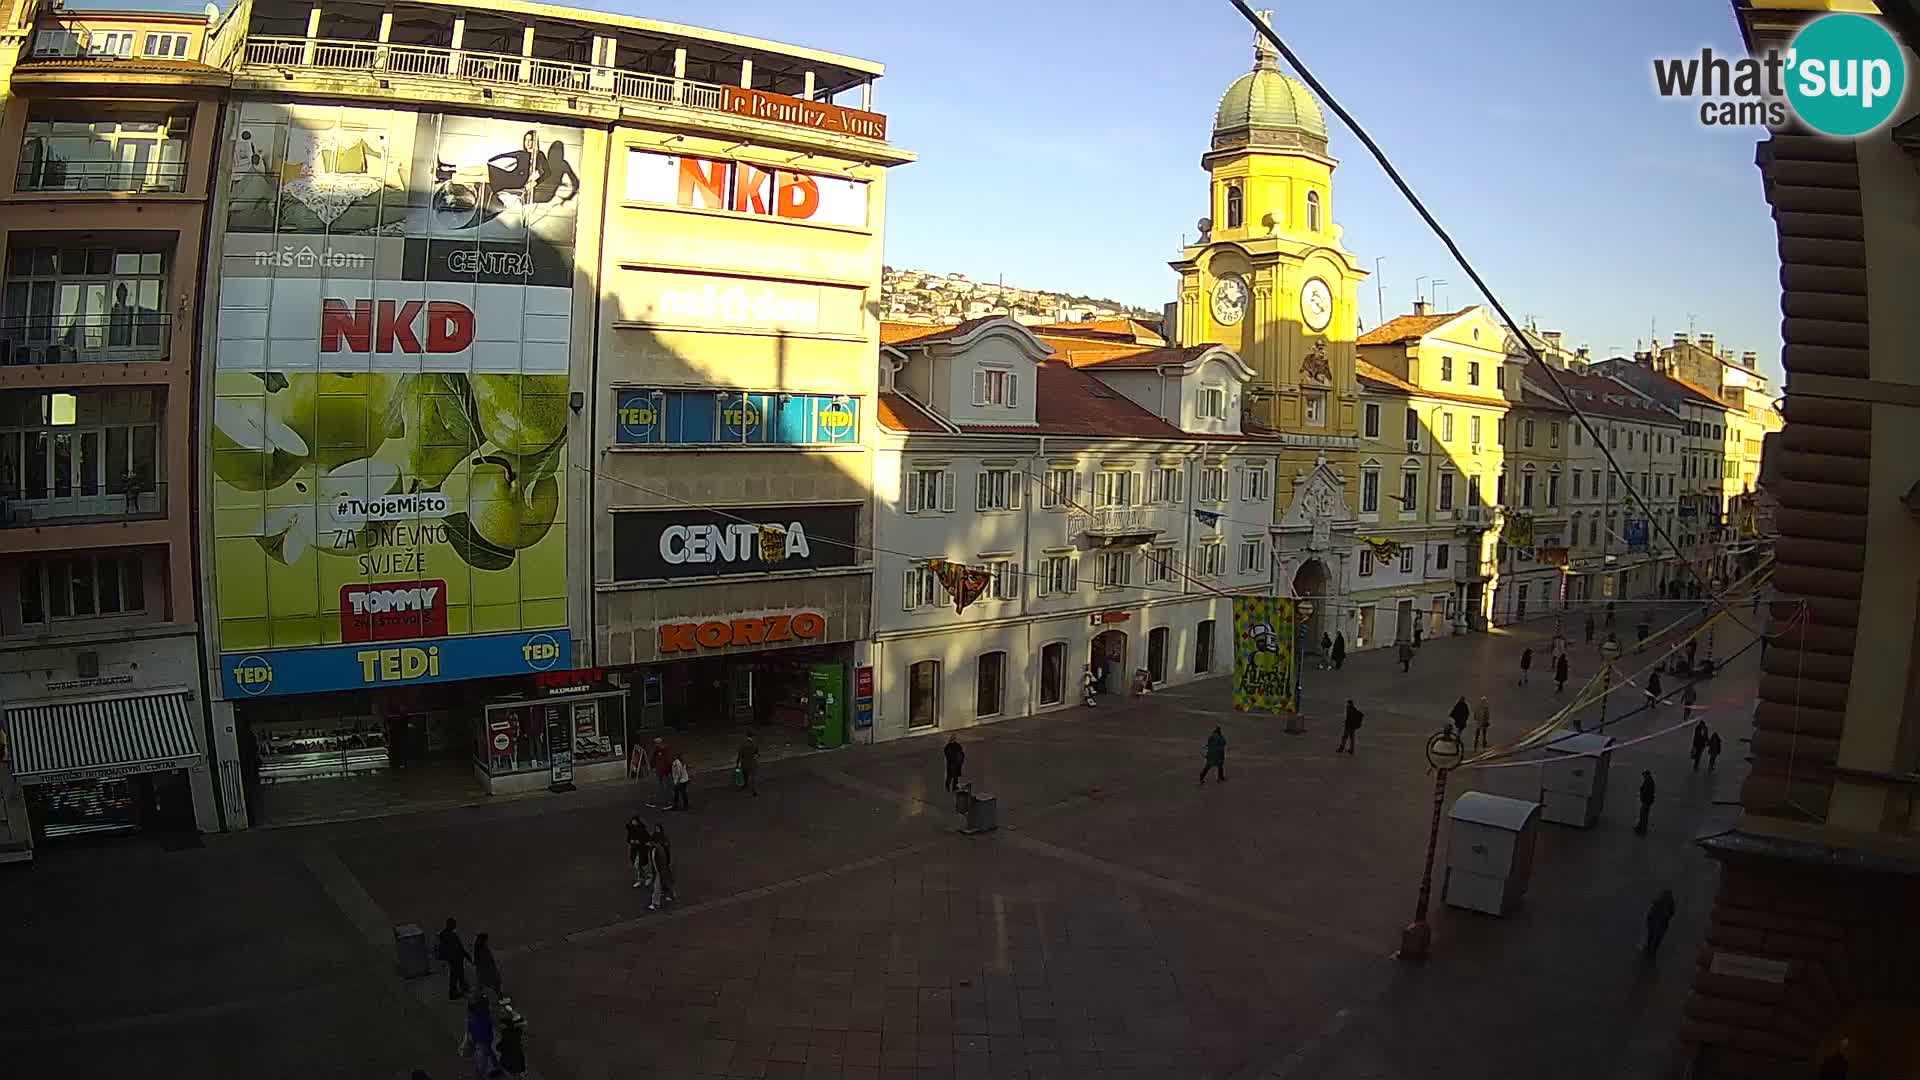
(81, 502)
(105, 176)
(125, 337)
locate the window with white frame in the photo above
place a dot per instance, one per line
(1211, 559)
(1553, 489)
(1446, 369)
(167, 45)
(1062, 487)
(1413, 429)
(996, 386)
(1058, 575)
(1256, 484)
(1371, 413)
(1369, 491)
(1406, 560)
(1526, 433)
(1116, 568)
(1253, 555)
(1473, 373)
(1553, 434)
(929, 490)
(922, 590)
(1164, 484)
(1473, 430)
(1473, 490)
(1446, 490)
(1213, 403)
(1442, 553)
(1213, 484)
(1446, 427)
(1003, 579)
(1315, 404)
(1115, 487)
(997, 489)
(1579, 434)
(1409, 491)
(1366, 561)
(1160, 562)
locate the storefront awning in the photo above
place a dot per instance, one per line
(89, 738)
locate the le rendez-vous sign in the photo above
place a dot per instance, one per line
(800, 112)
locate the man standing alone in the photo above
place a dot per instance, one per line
(1216, 757)
(1646, 801)
(748, 762)
(1460, 714)
(1348, 726)
(1560, 673)
(956, 761)
(454, 952)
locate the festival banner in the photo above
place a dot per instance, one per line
(1265, 659)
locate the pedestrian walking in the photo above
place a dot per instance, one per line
(486, 970)
(956, 761)
(1349, 727)
(1526, 664)
(1640, 630)
(1416, 635)
(662, 775)
(452, 950)
(1589, 627)
(1482, 723)
(1609, 614)
(747, 760)
(1560, 670)
(1689, 702)
(1659, 915)
(639, 837)
(1693, 649)
(661, 854)
(1089, 686)
(1326, 650)
(1646, 801)
(1699, 743)
(513, 1040)
(477, 1044)
(1460, 713)
(1406, 656)
(1216, 757)
(1653, 690)
(1713, 750)
(681, 778)
(1339, 649)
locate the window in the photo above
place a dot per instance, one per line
(1473, 430)
(1114, 488)
(87, 148)
(1593, 530)
(168, 45)
(991, 684)
(1053, 673)
(1473, 373)
(1213, 403)
(1255, 485)
(994, 386)
(1500, 432)
(1473, 490)
(1409, 491)
(1576, 479)
(1062, 487)
(1406, 560)
(1553, 489)
(1442, 553)
(1253, 555)
(921, 590)
(1526, 433)
(1613, 438)
(1157, 654)
(1165, 485)
(923, 694)
(997, 489)
(1526, 488)
(1057, 575)
(1446, 490)
(1500, 377)
(1553, 434)
(1446, 369)
(1116, 568)
(929, 490)
(1313, 211)
(1160, 564)
(1369, 491)
(82, 588)
(1003, 580)
(1366, 561)
(1579, 438)
(86, 452)
(1203, 648)
(1315, 402)
(1500, 489)
(1613, 485)
(1213, 484)
(66, 304)
(1236, 207)
(734, 418)
(1371, 415)
(1212, 559)
(1413, 429)
(56, 43)
(1446, 427)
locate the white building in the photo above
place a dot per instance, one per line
(1077, 488)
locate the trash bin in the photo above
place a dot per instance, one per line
(962, 798)
(410, 952)
(983, 813)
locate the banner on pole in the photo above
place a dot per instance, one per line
(1265, 655)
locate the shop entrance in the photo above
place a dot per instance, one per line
(159, 803)
(1310, 584)
(791, 699)
(1108, 659)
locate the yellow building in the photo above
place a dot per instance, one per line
(1269, 279)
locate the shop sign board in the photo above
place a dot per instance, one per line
(742, 187)
(387, 443)
(279, 672)
(799, 112)
(500, 734)
(691, 542)
(862, 697)
(1103, 618)
(559, 748)
(781, 628)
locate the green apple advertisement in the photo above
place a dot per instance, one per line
(391, 398)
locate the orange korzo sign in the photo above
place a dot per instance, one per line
(758, 630)
(800, 112)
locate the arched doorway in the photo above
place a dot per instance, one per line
(1310, 585)
(1109, 657)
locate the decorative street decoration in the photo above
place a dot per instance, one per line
(1265, 658)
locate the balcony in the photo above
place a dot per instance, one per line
(1115, 526)
(1472, 519)
(122, 337)
(284, 55)
(116, 177)
(19, 511)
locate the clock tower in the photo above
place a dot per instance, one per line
(1268, 276)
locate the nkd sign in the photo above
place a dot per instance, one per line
(389, 326)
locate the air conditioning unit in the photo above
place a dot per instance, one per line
(87, 664)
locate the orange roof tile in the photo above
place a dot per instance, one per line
(1069, 401)
(900, 413)
(1406, 328)
(1129, 330)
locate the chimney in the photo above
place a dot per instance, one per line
(1170, 323)
(1679, 340)
(1750, 360)
(1706, 342)
(1421, 307)
(1583, 352)
(1553, 338)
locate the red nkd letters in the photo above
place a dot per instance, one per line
(386, 326)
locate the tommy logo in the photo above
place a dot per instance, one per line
(393, 611)
(764, 630)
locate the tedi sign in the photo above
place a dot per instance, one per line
(652, 545)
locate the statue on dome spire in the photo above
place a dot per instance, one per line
(1264, 54)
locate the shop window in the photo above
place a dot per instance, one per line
(1157, 655)
(990, 692)
(923, 694)
(734, 418)
(1203, 648)
(1053, 673)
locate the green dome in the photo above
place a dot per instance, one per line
(1266, 98)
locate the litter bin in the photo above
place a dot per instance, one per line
(963, 797)
(410, 952)
(983, 813)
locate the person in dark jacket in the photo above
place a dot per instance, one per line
(1416, 634)
(1406, 656)
(1326, 650)
(1339, 650)
(1216, 757)
(479, 1040)
(1349, 726)
(956, 761)
(1640, 631)
(638, 838)
(1461, 713)
(747, 760)
(1646, 801)
(1589, 627)
(1560, 672)
(1653, 690)
(1713, 750)
(513, 1039)
(662, 855)
(1526, 664)
(486, 971)
(1699, 742)
(452, 950)
(1659, 915)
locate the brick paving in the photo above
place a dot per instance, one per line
(1123, 923)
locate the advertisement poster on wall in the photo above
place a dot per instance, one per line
(391, 397)
(1265, 657)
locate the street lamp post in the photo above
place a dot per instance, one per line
(1610, 652)
(1416, 941)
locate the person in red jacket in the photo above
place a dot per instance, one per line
(663, 774)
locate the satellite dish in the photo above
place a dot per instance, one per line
(213, 13)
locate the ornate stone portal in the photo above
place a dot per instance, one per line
(1311, 544)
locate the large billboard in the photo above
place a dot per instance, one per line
(671, 545)
(1266, 672)
(391, 398)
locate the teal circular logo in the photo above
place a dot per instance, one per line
(1845, 75)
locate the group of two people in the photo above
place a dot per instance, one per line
(493, 1042)
(650, 856)
(1559, 666)
(670, 775)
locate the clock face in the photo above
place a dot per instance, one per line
(1229, 299)
(1316, 304)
